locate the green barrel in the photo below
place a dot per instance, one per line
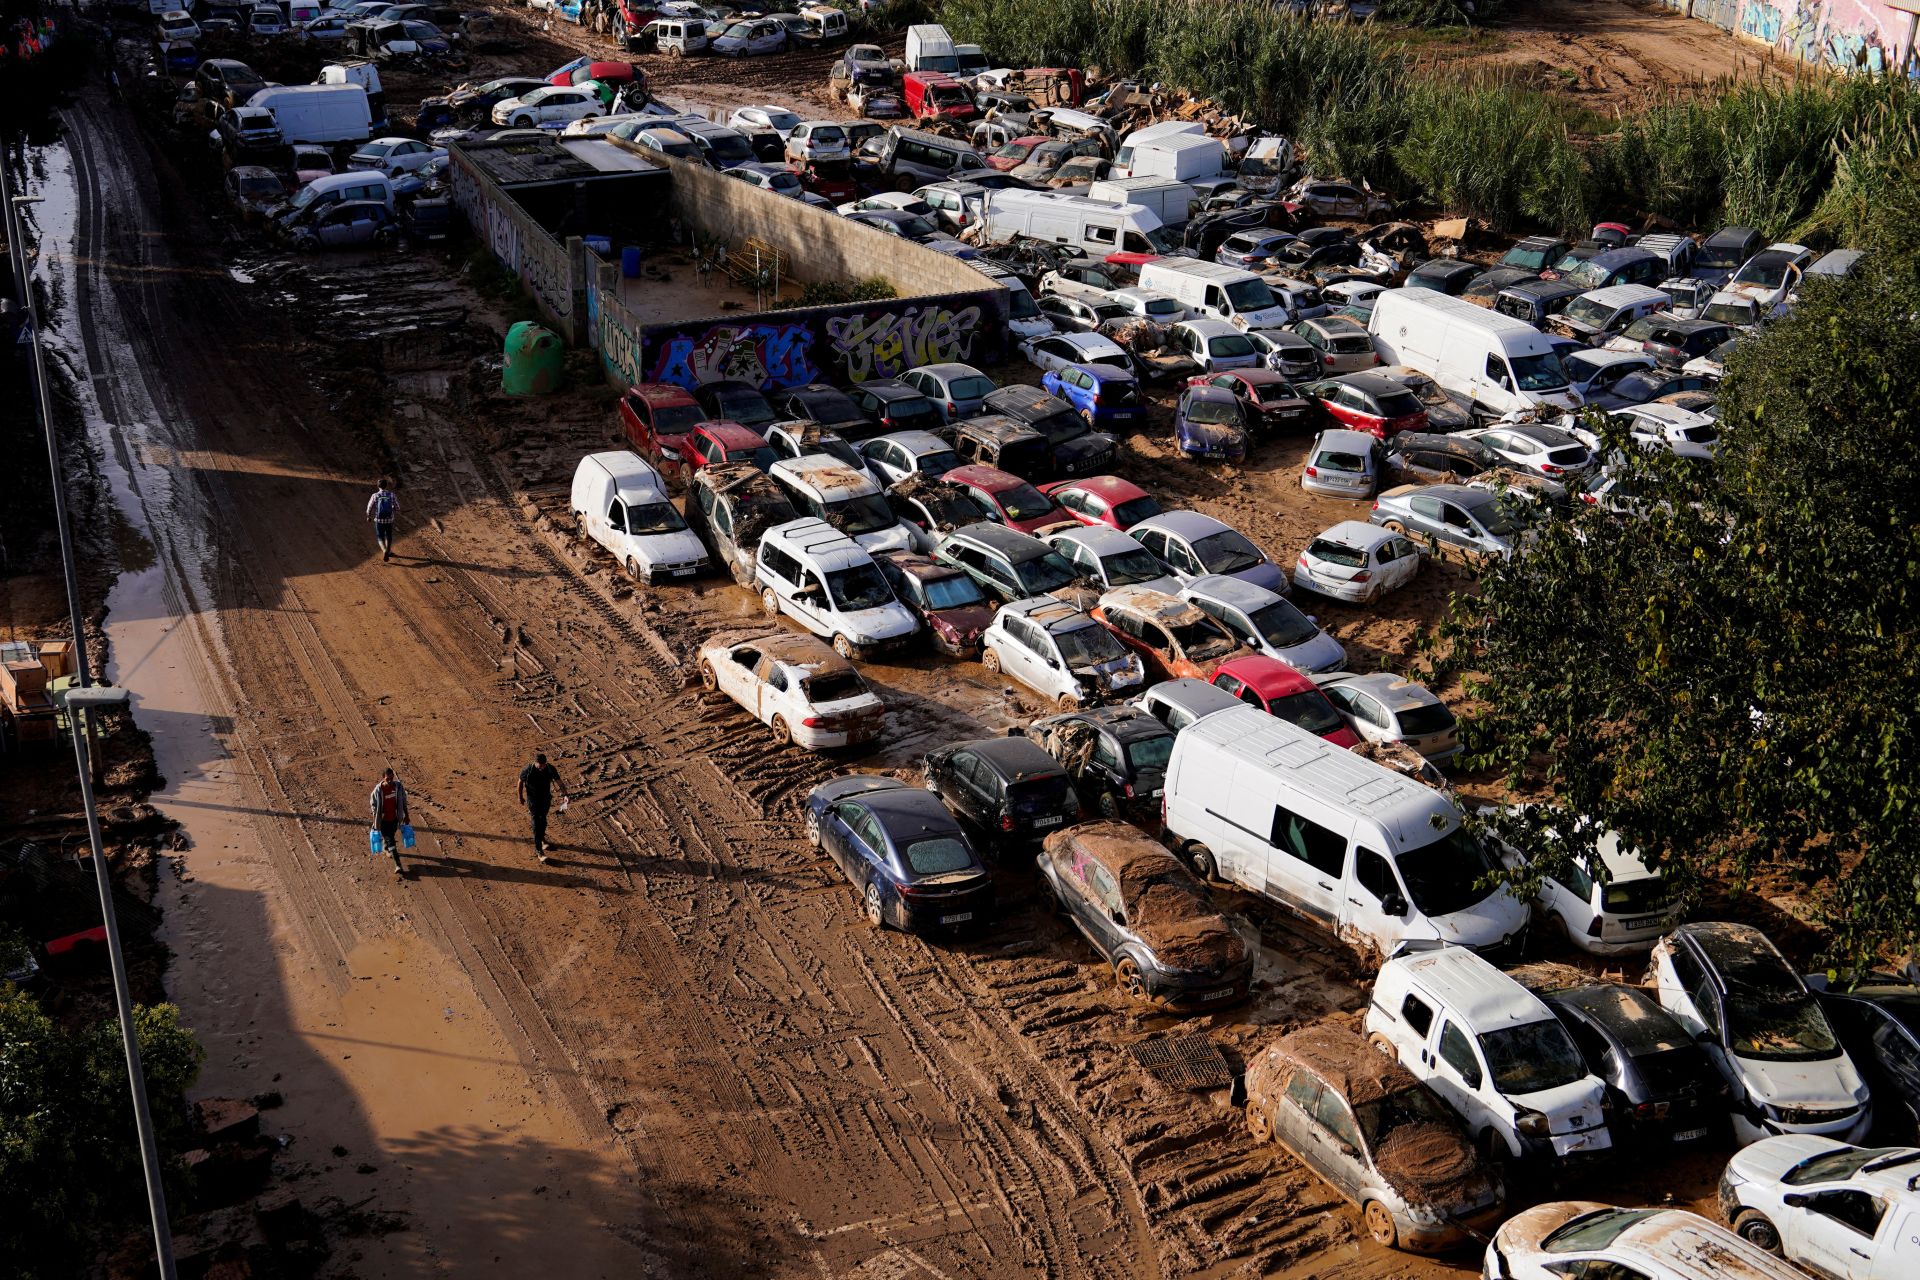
(536, 360)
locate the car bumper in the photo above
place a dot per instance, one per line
(1358, 492)
(1852, 1128)
(1455, 1233)
(966, 911)
(659, 573)
(831, 739)
(881, 648)
(1215, 453)
(1189, 993)
(1586, 1144)
(1351, 592)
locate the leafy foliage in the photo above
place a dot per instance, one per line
(834, 292)
(69, 1157)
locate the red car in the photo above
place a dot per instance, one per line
(1270, 400)
(1279, 690)
(614, 73)
(935, 95)
(1011, 500)
(718, 441)
(657, 417)
(829, 179)
(1015, 152)
(1371, 402)
(1109, 500)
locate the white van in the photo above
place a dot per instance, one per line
(828, 489)
(1099, 227)
(1596, 315)
(1123, 158)
(322, 114)
(1171, 202)
(1214, 289)
(820, 578)
(1492, 1051)
(1502, 364)
(1371, 853)
(621, 503)
(930, 48)
(301, 12)
(333, 188)
(1181, 158)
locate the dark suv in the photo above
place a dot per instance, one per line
(1007, 791)
(1074, 447)
(1117, 757)
(996, 440)
(891, 405)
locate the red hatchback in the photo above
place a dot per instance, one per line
(657, 417)
(1279, 690)
(717, 441)
(1015, 153)
(1009, 499)
(1371, 402)
(1108, 500)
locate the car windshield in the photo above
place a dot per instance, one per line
(1642, 329)
(654, 517)
(421, 31)
(1020, 305)
(738, 30)
(1718, 258)
(1337, 553)
(1838, 1166)
(938, 856)
(1497, 518)
(261, 184)
(1590, 274)
(1443, 875)
(730, 147)
(1776, 1027)
(1335, 460)
(1418, 722)
(834, 686)
(1210, 411)
(1281, 625)
(1250, 295)
(956, 592)
(1588, 311)
(970, 387)
(1161, 240)
(860, 587)
(1540, 372)
(1532, 1057)
(1203, 640)
(1150, 753)
(1229, 346)
(781, 180)
(1227, 552)
(913, 226)
(1741, 312)
(1594, 1230)
(1530, 259)
(1087, 646)
(1024, 502)
(1130, 568)
(950, 95)
(1308, 709)
(867, 513)
(305, 196)
(1767, 273)
(1134, 510)
(1640, 385)
(1014, 151)
(677, 419)
(1061, 426)
(1415, 1106)
(1044, 573)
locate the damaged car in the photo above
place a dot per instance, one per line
(1117, 757)
(1584, 1238)
(1059, 652)
(1007, 792)
(799, 688)
(951, 606)
(730, 504)
(903, 852)
(1174, 637)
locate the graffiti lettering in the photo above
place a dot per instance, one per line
(762, 355)
(892, 342)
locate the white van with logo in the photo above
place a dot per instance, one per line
(1492, 1051)
(1099, 227)
(1216, 290)
(819, 577)
(826, 488)
(1368, 852)
(621, 503)
(1501, 364)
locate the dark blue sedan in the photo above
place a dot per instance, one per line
(903, 851)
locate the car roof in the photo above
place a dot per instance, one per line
(915, 565)
(1483, 997)
(1187, 524)
(1196, 696)
(1356, 533)
(1049, 613)
(1113, 489)
(1605, 357)
(1205, 392)
(1727, 943)
(1269, 676)
(1543, 288)
(1398, 693)
(1208, 328)
(946, 372)
(1341, 437)
(1372, 381)
(1161, 606)
(732, 434)
(664, 394)
(1341, 1058)
(1101, 539)
(916, 442)
(982, 476)
(1015, 759)
(826, 475)
(998, 537)
(1236, 592)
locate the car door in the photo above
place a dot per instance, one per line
(610, 527)
(811, 604)
(1457, 1074)
(1371, 897)
(1026, 658)
(1400, 561)
(336, 227)
(1833, 1231)
(1103, 903)
(836, 835)
(1179, 557)
(1339, 1137)
(733, 672)
(1307, 866)
(1296, 1120)
(866, 848)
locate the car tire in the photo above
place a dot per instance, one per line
(1201, 859)
(523, 122)
(1754, 1228)
(1394, 526)
(673, 51)
(709, 679)
(1066, 702)
(843, 647)
(1384, 1045)
(1132, 983)
(1259, 1122)
(770, 602)
(782, 735)
(1108, 806)
(1380, 1224)
(813, 828)
(874, 905)
(990, 660)
(633, 569)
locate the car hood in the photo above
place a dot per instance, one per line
(1433, 1165)
(1568, 1109)
(1484, 924)
(1321, 653)
(1769, 1159)
(885, 623)
(1829, 1083)
(894, 538)
(1213, 436)
(966, 623)
(670, 548)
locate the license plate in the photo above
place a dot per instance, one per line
(961, 918)
(1048, 822)
(1643, 922)
(686, 572)
(1220, 994)
(1688, 1135)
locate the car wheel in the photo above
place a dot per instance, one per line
(770, 602)
(875, 905)
(1050, 899)
(1756, 1230)
(991, 661)
(673, 51)
(1066, 702)
(1380, 1224)
(1384, 1045)
(1127, 976)
(1108, 806)
(523, 122)
(1394, 526)
(709, 679)
(1202, 861)
(1259, 1123)
(633, 569)
(1557, 925)
(781, 734)
(843, 647)
(813, 828)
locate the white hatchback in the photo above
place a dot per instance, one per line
(796, 686)
(1837, 1210)
(1581, 1238)
(1356, 562)
(1059, 652)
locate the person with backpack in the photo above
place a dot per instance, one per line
(382, 507)
(388, 804)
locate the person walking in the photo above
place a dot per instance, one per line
(382, 507)
(389, 806)
(537, 782)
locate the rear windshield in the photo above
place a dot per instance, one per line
(1041, 795)
(1419, 721)
(938, 856)
(1635, 897)
(1350, 344)
(1334, 460)
(1150, 754)
(1336, 553)
(1397, 404)
(969, 388)
(835, 686)
(1134, 510)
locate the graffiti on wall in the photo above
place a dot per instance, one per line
(1724, 14)
(767, 355)
(1847, 35)
(891, 342)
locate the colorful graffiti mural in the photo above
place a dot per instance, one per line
(1846, 35)
(763, 354)
(891, 342)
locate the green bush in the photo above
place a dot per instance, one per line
(835, 292)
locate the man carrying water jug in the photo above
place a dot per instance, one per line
(382, 507)
(389, 805)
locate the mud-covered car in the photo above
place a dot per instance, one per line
(1378, 1136)
(1423, 457)
(1074, 448)
(950, 604)
(903, 852)
(1210, 423)
(254, 191)
(1271, 403)
(796, 686)
(1586, 1238)
(1156, 357)
(1007, 792)
(1173, 637)
(1060, 652)
(1147, 916)
(997, 441)
(931, 509)
(1117, 757)
(730, 504)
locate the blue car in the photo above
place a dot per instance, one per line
(1105, 396)
(1210, 422)
(905, 854)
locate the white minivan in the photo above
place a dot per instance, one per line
(1492, 1051)
(819, 577)
(1097, 227)
(1501, 364)
(1214, 289)
(621, 503)
(1370, 853)
(1123, 158)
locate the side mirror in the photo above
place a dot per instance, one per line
(1394, 905)
(1796, 1200)
(1118, 916)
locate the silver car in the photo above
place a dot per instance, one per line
(1542, 450)
(1342, 463)
(1382, 707)
(1266, 622)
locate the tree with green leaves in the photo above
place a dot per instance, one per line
(1728, 672)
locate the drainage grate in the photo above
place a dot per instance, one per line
(1184, 1062)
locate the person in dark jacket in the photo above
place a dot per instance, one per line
(388, 804)
(537, 782)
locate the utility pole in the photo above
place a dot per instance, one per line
(84, 702)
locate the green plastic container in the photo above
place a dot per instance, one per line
(536, 360)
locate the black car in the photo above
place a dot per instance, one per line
(1648, 385)
(1661, 1087)
(1879, 1024)
(1443, 275)
(1535, 254)
(1487, 285)
(891, 405)
(1074, 447)
(906, 856)
(1674, 342)
(1117, 757)
(1725, 252)
(1005, 790)
(1421, 457)
(729, 400)
(829, 406)
(1292, 355)
(995, 440)
(1148, 916)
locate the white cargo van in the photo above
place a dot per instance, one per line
(1501, 364)
(365, 74)
(621, 503)
(1598, 314)
(1182, 158)
(1214, 289)
(322, 114)
(1099, 227)
(1123, 158)
(930, 48)
(1171, 202)
(1374, 855)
